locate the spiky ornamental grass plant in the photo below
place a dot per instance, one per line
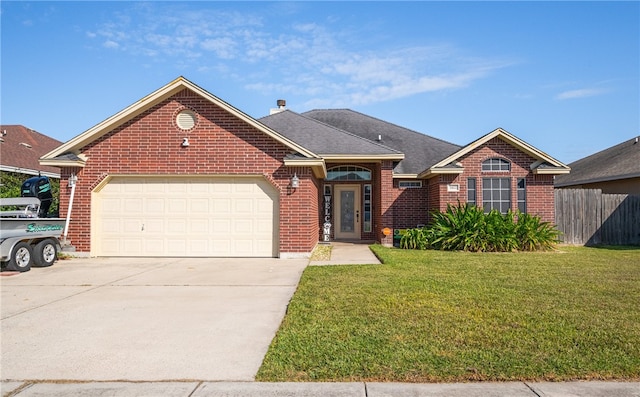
(468, 228)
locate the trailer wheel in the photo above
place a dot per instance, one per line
(45, 253)
(21, 258)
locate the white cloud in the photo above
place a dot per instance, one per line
(580, 93)
(224, 47)
(299, 59)
(110, 44)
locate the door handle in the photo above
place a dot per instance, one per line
(357, 216)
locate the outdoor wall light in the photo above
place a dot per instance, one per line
(185, 142)
(295, 181)
(73, 178)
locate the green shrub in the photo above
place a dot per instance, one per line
(533, 234)
(416, 239)
(468, 228)
(459, 228)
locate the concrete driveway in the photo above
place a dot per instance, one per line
(144, 319)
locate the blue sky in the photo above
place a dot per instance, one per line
(563, 76)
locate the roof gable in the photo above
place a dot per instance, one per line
(544, 164)
(621, 161)
(20, 149)
(77, 143)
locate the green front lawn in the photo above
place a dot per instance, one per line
(432, 316)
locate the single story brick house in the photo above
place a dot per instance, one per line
(183, 173)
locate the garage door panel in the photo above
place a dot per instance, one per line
(131, 226)
(178, 205)
(133, 205)
(199, 206)
(158, 186)
(152, 247)
(262, 245)
(110, 226)
(154, 226)
(186, 216)
(264, 227)
(222, 187)
(221, 247)
(243, 245)
(221, 205)
(200, 226)
(243, 206)
(198, 247)
(132, 245)
(176, 246)
(242, 226)
(198, 188)
(111, 246)
(154, 205)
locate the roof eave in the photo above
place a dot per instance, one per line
(28, 171)
(405, 176)
(362, 157)
(318, 166)
(597, 180)
(551, 171)
(433, 171)
(63, 163)
(499, 132)
(156, 97)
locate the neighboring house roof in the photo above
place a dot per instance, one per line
(420, 150)
(327, 141)
(69, 154)
(21, 148)
(544, 163)
(621, 161)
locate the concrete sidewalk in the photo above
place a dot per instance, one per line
(349, 254)
(355, 389)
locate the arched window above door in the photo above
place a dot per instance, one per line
(348, 173)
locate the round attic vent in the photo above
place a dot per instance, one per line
(186, 119)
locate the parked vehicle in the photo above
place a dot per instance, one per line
(27, 236)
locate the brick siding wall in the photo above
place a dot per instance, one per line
(220, 144)
(539, 188)
(411, 207)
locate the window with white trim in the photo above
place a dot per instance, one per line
(496, 164)
(366, 213)
(348, 173)
(496, 194)
(410, 184)
(522, 195)
(471, 191)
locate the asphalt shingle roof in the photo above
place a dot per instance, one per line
(421, 151)
(617, 162)
(321, 138)
(22, 147)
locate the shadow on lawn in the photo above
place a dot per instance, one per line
(617, 247)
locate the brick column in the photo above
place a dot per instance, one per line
(387, 197)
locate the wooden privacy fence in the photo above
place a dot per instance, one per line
(589, 217)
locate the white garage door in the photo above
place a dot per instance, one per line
(186, 216)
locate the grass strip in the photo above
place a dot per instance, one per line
(432, 316)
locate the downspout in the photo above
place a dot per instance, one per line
(73, 178)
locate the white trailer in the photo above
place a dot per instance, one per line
(25, 238)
